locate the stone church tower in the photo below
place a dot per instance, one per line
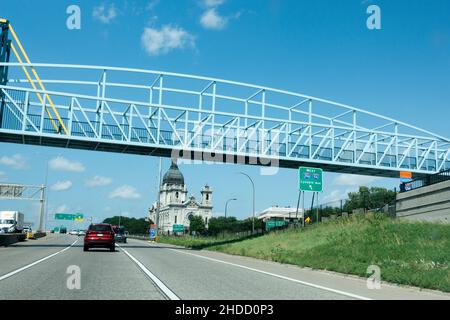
(176, 207)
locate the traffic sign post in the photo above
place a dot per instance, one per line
(310, 179)
(177, 228)
(152, 233)
(272, 223)
(405, 179)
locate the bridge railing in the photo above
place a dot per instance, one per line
(168, 110)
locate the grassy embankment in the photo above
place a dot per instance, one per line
(416, 254)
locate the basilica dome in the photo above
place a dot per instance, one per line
(173, 175)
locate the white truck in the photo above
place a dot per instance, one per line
(11, 222)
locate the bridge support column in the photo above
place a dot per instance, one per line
(5, 52)
(41, 210)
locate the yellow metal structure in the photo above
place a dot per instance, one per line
(37, 79)
(34, 86)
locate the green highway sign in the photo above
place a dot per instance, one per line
(271, 223)
(69, 216)
(178, 228)
(64, 216)
(310, 179)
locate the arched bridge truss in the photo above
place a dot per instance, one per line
(160, 113)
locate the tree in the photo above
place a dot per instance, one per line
(232, 225)
(132, 225)
(373, 198)
(197, 225)
(221, 224)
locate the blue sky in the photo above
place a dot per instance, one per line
(320, 48)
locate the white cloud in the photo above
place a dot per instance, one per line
(2, 176)
(16, 161)
(125, 192)
(151, 5)
(156, 42)
(61, 185)
(354, 180)
(99, 181)
(105, 14)
(61, 209)
(335, 196)
(212, 20)
(212, 3)
(63, 164)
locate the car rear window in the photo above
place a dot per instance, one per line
(100, 228)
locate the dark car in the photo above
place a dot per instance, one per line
(63, 230)
(120, 234)
(100, 235)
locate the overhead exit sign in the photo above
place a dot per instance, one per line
(310, 179)
(64, 216)
(69, 216)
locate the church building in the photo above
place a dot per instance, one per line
(175, 205)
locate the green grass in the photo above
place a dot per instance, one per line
(416, 254)
(199, 242)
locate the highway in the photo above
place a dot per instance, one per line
(37, 269)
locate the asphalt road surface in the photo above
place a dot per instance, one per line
(45, 269)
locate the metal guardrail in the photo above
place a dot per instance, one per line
(425, 181)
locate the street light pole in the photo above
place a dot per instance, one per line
(45, 201)
(226, 206)
(43, 219)
(253, 187)
(158, 204)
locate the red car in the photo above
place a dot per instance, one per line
(100, 235)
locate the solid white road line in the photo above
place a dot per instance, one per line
(35, 263)
(348, 294)
(169, 293)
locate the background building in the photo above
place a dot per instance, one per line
(175, 205)
(286, 213)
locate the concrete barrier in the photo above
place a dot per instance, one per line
(38, 235)
(8, 239)
(430, 203)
